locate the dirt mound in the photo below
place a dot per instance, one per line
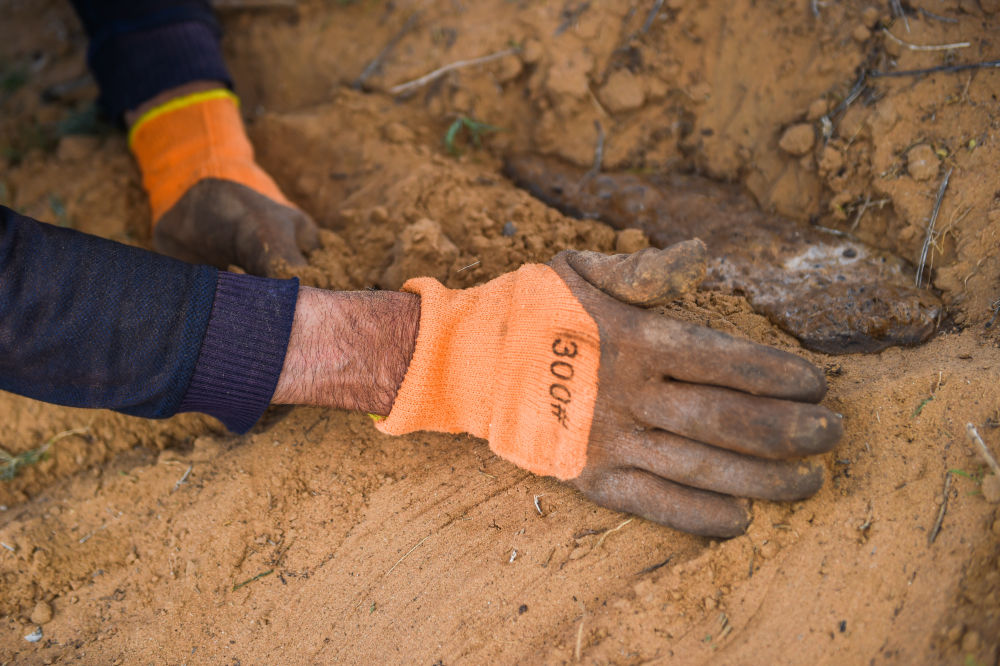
(315, 538)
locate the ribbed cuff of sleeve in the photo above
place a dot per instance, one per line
(243, 349)
(135, 66)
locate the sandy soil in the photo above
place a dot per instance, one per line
(315, 539)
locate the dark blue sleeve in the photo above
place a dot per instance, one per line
(139, 48)
(88, 322)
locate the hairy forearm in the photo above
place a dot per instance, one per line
(349, 350)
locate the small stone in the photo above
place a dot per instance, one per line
(532, 51)
(954, 633)
(922, 162)
(398, 133)
(869, 17)
(34, 636)
(509, 229)
(893, 48)
(42, 613)
(709, 603)
(970, 641)
(378, 215)
(798, 139)
(628, 241)
(991, 489)
(817, 109)
(861, 34)
(768, 550)
(622, 92)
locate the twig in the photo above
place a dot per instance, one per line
(8, 547)
(990, 460)
(930, 227)
(814, 6)
(863, 207)
(941, 68)
(995, 307)
(926, 47)
(183, 479)
(657, 6)
(598, 157)
(441, 71)
(407, 554)
(932, 15)
(570, 16)
(606, 534)
(654, 567)
(538, 507)
(376, 63)
(465, 268)
(944, 507)
(579, 637)
(897, 9)
(250, 580)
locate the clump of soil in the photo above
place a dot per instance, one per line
(318, 537)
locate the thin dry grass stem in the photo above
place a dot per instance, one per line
(987, 456)
(615, 529)
(441, 71)
(926, 47)
(930, 227)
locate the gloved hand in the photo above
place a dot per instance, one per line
(564, 375)
(211, 203)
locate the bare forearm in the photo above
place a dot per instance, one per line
(348, 350)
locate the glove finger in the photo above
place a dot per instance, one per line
(699, 355)
(661, 501)
(306, 232)
(697, 465)
(268, 249)
(754, 425)
(646, 278)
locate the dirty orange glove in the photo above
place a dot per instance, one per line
(192, 138)
(211, 203)
(513, 361)
(567, 374)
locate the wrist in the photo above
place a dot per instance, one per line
(348, 350)
(133, 115)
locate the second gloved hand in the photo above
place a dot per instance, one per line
(211, 203)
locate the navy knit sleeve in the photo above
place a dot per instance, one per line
(139, 48)
(88, 322)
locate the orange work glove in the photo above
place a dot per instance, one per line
(210, 201)
(564, 376)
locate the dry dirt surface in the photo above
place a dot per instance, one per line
(315, 539)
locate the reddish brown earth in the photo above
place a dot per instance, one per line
(316, 539)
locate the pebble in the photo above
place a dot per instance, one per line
(509, 229)
(861, 34)
(622, 92)
(870, 17)
(797, 139)
(34, 636)
(970, 641)
(42, 613)
(922, 162)
(954, 633)
(817, 109)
